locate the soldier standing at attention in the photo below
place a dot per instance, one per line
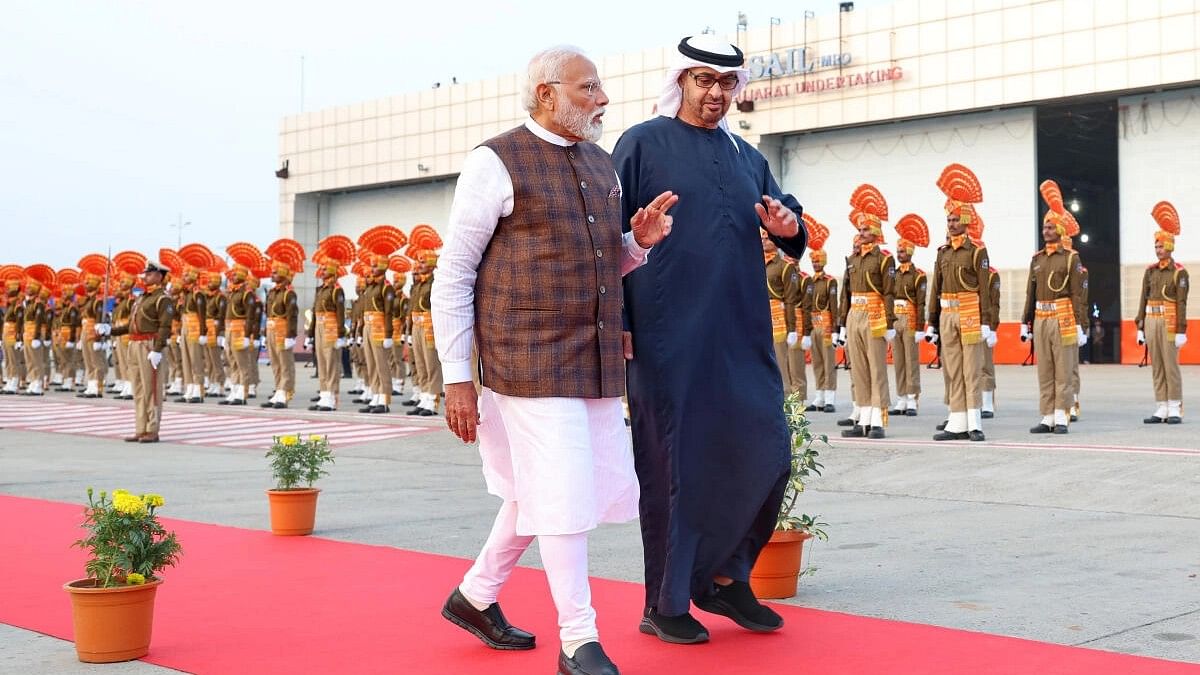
(215, 304)
(35, 326)
(377, 305)
(798, 283)
(1162, 318)
(820, 308)
(96, 268)
(783, 289)
(910, 314)
(988, 382)
(14, 318)
(327, 328)
(148, 328)
(283, 316)
(1051, 317)
(424, 244)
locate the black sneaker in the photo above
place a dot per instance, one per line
(737, 602)
(680, 630)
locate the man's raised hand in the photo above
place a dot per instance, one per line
(651, 224)
(776, 218)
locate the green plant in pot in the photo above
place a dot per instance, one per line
(296, 464)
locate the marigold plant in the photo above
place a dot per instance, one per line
(803, 464)
(297, 463)
(126, 544)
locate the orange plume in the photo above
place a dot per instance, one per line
(288, 252)
(869, 200)
(399, 264)
(196, 256)
(42, 274)
(382, 240)
(912, 229)
(1052, 195)
(336, 248)
(244, 254)
(960, 184)
(68, 277)
(130, 263)
(424, 237)
(1167, 217)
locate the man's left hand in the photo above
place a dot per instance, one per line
(776, 218)
(154, 358)
(652, 224)
(462, 410)
(627, 345)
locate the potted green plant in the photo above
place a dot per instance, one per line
(113, 608)
(777, 569)
(296, 463)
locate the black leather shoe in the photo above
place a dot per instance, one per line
(680, 630)
(238, 401)
(737, 602)
(897, 411)
(377, 409)
(875, 433)
(1041, 429)
(1074, 418)
(411, 402)
(367, 409)
(425, 412)
(355, 391)
(975, 435)
(223, 401)
(488, 625)
(847, 422)
(590, 659)
(829, 407)
(314, 399)
(1060, 428)
(987, 414)
(942, 425)
(268, 404)
(950, 436)
(855, 431)
(1154, 419)
(414, 411)
(280, 406)
(397, 393)
(1174, 419)
(810, 408)
(911, 412)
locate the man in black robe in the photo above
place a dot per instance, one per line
(711, 444)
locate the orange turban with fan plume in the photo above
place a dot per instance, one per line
(1167, 217)
(913, 232)
(870, 210)
(963, 192)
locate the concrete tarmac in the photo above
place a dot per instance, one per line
(1089, 539)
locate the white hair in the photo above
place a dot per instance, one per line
(546, 66)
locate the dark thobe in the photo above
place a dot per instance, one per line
(710, 441)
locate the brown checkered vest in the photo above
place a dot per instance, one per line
(548, 291)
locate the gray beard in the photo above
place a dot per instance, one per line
(579, 122)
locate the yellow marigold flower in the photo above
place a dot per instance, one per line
(119, 491)
(315, 438)
(153, 500)
(289, 440)
(128, 504)
(133, 578)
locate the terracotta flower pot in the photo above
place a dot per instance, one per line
(293, 512)
(777, 569)
(111, 624)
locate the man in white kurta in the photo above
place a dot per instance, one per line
(530, 275)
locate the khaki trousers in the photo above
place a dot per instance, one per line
(216, 367)
(147, 388)
(793, 375)
(987, 380)
(1053, 366)
(61, 360)
(193, 361)
(34, 364)
(13, 364)
(1164, 360)
(428, 366)
(906, 359)
(399, 365)
(283, 363)
(329, 361)
(251, 365)
(868, 358)
(95, 365)
(962, 364)
(241, 362)
(118, 359)
(173, 360)
(1074, 357)
(378, 367)
(824, 362)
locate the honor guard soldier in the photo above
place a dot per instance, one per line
(988, 382)
(148, 329)
(424, 244)
(820, 312)
(66, 334)
(96, 269)
(213, 341)
(173, 356)
(377, 306)
(1051, 317)
(358, 364)
(283, 316)
(798, 283)
(327, 327)
(194, 259)
(257, 274)
(14, 316)
(1162, 317)
(868, 313)
(34, 327)
(400, 267)
(783, 290)
(1081, 301)
(239, 318)
(128, 265)
(910, 314)
(960, 307)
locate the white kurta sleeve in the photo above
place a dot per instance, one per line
(633, 256)
(483, 195)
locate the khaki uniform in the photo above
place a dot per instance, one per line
(283, 313)
(358, 362)
(64, 330)
(239, 337)
(376, 306)
(867, 313)
(14, 363)
(820, 314)
(120, 319)
(215, 303)
(1081, 301)
(95, 362)
(911, 292)
(192, 315)
(173, 356)
(1055, 277)
(797, 368)
(147, 330)
(328, 324)
(399, 356)
(34, 327)
(254, 328)
(783, 288)
(963, 306)
(1162, 314)
(425, 357)
(987, 381)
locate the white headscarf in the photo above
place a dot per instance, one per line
(671, 96)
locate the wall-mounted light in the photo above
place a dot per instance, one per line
(846, 7)
(742, 22)
(1074, 206)
(1084, 238)
(743, 125)
(422, 167)
(282, 172)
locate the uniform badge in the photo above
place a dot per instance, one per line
(985, 264)
(1085, 283)
(1183, 283)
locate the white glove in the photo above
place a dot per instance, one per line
(931, 335)
(308, 343)
(97, 346)
(341, 342)
(103, 329)
(257, 343)
(1180, 340)
(791, 338)
(1141, 337)
(1025, 332)
(203, 340)
(289, 343)
(245, 343)
(19, 346)
(842, 335)
(388, 342)
(35, 343)
(890, 334)
(806, 342)
(918, 336)
(154, 358)
(1082, 335)
(408, 339)
(221, 341)
(179, 340)
(358, 341)
(70, 345)
(985, 331)
(991, 340)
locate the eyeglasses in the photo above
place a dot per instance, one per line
(706, 80)
(590, 87)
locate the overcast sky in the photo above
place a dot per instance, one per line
(119, 118)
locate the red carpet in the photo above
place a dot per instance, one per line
(246, 601)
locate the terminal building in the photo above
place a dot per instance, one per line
(1103, 97)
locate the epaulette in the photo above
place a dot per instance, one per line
(1153, 265)
(1038, 252)
(885, 252)
(1178, 266)
(993, 270)
(944, 247)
